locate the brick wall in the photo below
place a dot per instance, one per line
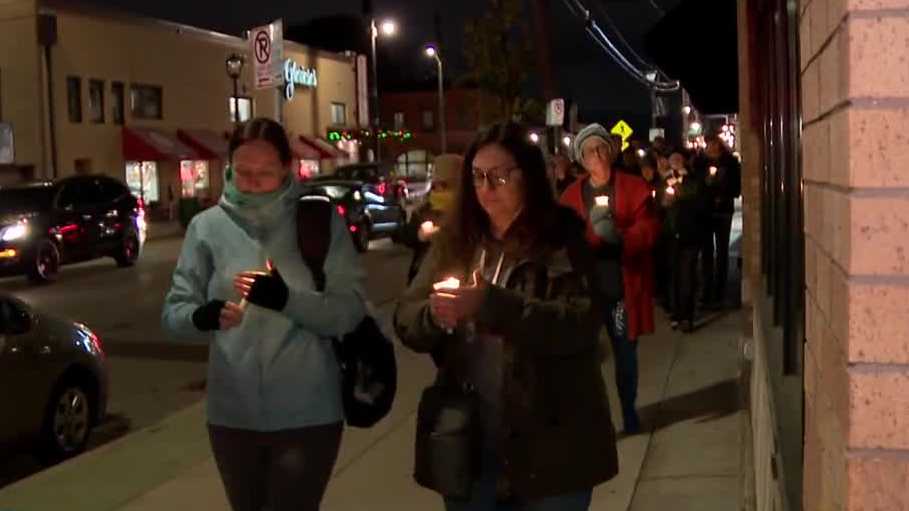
(855, 106)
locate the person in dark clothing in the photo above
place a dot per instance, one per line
(562, 173)
(722, 174)
(523, 335)
(428, 219)
(685, 202)
(650, 171)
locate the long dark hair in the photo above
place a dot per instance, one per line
(468, 225)
(266, 130)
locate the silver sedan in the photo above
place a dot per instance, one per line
(53, 382)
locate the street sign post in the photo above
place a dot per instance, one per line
(267, 49)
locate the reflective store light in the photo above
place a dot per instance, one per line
(14, 232)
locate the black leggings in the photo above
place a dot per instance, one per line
(279, 471)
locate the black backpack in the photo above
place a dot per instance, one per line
(369, 375)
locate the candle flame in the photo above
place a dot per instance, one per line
(602, 200)
(449, 283)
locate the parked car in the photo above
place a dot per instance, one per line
(372, 173)
(53, 382)
(369, 214)
(47, 224)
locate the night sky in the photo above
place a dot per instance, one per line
(583, 71)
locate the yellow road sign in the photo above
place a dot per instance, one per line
(623, 130)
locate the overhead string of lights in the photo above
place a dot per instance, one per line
(655, 79)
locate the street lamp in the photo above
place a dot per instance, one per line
(389, 28)
(234, 64)
(433, 53)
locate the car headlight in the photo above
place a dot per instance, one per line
(14, 232)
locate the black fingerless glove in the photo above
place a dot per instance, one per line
(208, 317)
(269, 291)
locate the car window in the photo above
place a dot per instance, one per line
(72, 195)
(111, 191)
(333, 192)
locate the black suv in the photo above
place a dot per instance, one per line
(46, 224)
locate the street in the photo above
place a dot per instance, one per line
(152, 376)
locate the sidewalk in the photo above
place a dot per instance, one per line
(164, 229)
(689, 460)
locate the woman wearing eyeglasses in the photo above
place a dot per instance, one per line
(520, 331)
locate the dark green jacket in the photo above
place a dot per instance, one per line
(557, 435)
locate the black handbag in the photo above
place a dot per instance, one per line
(449, 437)
(366, 356)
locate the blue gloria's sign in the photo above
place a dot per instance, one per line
(294, 75)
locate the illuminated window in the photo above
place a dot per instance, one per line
(245, 105)
(399, 120)
(142, 179)
(194, 178)
(338, 114)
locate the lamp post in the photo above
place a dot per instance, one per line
(389, 28)
(433, 52)
(234, 65)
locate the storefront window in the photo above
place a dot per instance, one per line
(142, 179)
(415, 164)
(308, 169)
(194, 178)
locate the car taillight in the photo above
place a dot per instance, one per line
(97, 346)
(353, 228)
(342, 211)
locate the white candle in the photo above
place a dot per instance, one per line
(602, 201)
(713, 171)
(670, 190)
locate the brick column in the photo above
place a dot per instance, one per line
(855, 109)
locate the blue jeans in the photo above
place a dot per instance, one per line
(625, 351)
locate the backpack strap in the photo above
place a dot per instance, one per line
(314, 235)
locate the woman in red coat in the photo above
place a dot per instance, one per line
(622, 228)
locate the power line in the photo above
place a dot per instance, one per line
(596, 33)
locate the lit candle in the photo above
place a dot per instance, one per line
(713, 171)
(427, 229)
(602, 201)
(446, 285)
(653, 193)
(670, 190)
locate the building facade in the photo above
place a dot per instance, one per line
(416, 115)
(149, 101)
(824, 113)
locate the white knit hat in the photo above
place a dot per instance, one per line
(592, 130)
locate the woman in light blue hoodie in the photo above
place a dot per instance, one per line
(274, 401)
